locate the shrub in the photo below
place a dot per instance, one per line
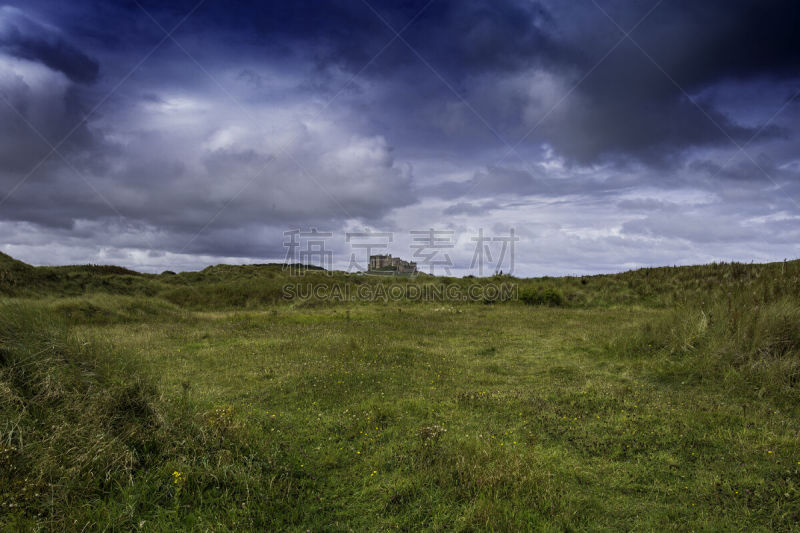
(549, 297)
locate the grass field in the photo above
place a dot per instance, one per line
(661, 399)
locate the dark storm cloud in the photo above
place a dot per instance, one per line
(27, 39)
(152, 162)
(40, 102)
(726, 39)
(482, 34)
(645, 100)
(314, 112)
(628, 108)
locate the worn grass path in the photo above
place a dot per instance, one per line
(467, 417)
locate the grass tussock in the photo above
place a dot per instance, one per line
(106, 309)
(754, 346)
(69, 430)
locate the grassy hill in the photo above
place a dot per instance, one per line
(251, 286)
(661, 398)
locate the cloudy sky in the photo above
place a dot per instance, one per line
(606, 134)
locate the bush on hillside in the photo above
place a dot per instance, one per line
(549, 297)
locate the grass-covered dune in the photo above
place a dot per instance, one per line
(223, 287)
(657, 399)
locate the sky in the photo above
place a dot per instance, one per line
(538, 137)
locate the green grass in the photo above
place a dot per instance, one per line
(661, 399)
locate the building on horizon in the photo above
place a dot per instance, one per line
(387, 263)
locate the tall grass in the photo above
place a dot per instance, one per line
(753, 346)
(86, 440)
(70, 431)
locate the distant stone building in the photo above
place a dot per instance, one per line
(387, 263)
